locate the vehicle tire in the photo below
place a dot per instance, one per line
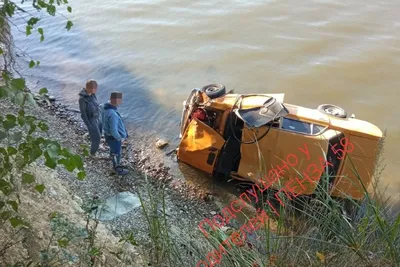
(214, 90)
(332, 110)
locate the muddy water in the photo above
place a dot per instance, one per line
(341, 52)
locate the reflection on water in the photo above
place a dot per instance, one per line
(343, 53)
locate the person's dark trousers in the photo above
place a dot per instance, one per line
(95, 136)
(115, 150)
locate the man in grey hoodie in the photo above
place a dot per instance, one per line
(90, 113)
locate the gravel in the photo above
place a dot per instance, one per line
(181, 199)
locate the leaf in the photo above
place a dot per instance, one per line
(3, 151)
(320, 256)
(69, 25)
(18, 84)
(77, 161)
(1, 51)
(31, 99)
(5, 215)
(81, 175)
(15, 221)
(43, 91)
(52, 151)
(12, 150)
(43, 126)
(5, 76)
(31, 64)
(41, 3)
(42, 38)
(2, 204)
(39, 140)
(5, 187)
(10, 122)
(85, 152)
(32, 21)
(37, 63)
(13, 204)
(63, 242)
(40, 30)
(51, 10)
(67, 163)
(21, 119)
(9, 8)
(50, 163)
(40, 188)
(28, 30)
(32, 129)
(11, 117)
(18, 99)
(3, 92)
(69, 9)
(27, 178)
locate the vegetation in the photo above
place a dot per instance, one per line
(322, 235)
(22, 145)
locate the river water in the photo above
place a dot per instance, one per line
(324, 51)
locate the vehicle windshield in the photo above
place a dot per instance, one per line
(259, 116)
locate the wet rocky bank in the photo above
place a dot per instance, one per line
(186, 204)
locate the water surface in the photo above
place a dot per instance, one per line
(340, 52)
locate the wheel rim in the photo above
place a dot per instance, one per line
(211, 89)
(333, 111)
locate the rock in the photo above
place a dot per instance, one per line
(209, 197)
(40, 235)
(213, 212)
(73, 110)
(52, 98)
(78, 200)
(161, 143)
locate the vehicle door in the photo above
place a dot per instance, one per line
(298, 153)
(256, 157)
(200, 146)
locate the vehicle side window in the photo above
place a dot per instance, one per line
(317, 129)
(296, 126)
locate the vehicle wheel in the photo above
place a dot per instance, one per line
(332, 110)
(214, 90)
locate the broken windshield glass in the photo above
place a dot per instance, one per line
(259, 116)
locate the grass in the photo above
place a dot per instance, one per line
(321, 234)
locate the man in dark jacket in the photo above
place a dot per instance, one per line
(90, 113)
(114, 130)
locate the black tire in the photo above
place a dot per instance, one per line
(214, 90)
(332, 110)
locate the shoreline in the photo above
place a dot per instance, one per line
(133, 157)
(185, 206)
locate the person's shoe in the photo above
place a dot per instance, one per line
(121, 171)
(102, 148)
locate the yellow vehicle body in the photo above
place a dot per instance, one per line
(212, 146)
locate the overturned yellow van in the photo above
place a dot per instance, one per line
(244, 135)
